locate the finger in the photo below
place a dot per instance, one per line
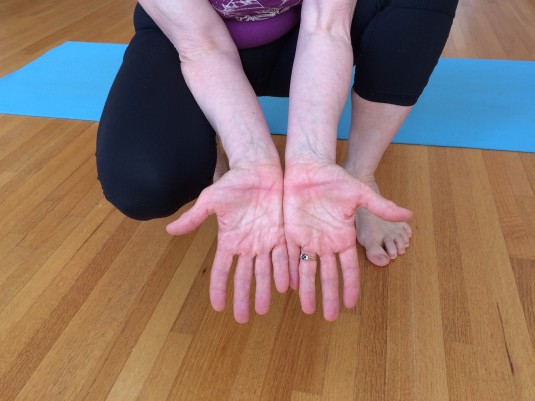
(262, 272)
(242, 288)
(279, 256)
(349, 264)
(293, 262)
(376, 204)
(218, 279)
(307, 285)
(191, 219)
(329, 287)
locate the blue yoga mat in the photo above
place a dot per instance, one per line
(472, 103)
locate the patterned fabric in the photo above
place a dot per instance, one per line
(252, 10)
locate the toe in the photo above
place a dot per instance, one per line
(391, 248)
(407, 229)
(377, 255)
(405, 238)
(400, 245)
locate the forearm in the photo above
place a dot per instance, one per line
(320, 80)
(221, 89)
(211, 66)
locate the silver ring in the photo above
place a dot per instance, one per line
(304, 256)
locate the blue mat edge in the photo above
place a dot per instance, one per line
(344, 121)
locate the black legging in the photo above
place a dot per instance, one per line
(156, 150)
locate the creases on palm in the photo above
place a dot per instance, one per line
(248, 206)
(320, 201)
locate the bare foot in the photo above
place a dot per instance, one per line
(221, 166)
(384, 240)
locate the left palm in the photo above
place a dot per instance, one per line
(248, 205)
(320, 201)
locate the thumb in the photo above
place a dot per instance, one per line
(379, 206)
(192, 218)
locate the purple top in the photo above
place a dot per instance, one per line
(254, 23)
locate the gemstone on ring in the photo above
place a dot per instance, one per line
(304, 256)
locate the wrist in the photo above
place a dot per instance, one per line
(266, 173)
(310, 147)
(254, 157)
(306, 156)
(247, 147)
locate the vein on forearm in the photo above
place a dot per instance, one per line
(220, 87)
(320, 81)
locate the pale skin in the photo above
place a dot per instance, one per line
(266, 218)
(373, 125)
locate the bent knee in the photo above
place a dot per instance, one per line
(141, 205)
(145, 197)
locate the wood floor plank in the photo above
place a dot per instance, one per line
(526, 207)
(300, 396)
(41, 146)
(490, 284)
(16, 130)
(515, 331)
(40, 160)
(400, 346)
(5, 177)
(49, 20)
(494, 379)
(37, 250)
(518, 241)
(528, 161)
(282, 370)
(339, 382)
(159, 383)
(462, 369)
(415, 352)
(516, 174)
(524, 271)
(15, 209)
(430, 358)
(86, 336)
(25, 298)
(214, 354)
(78, 190)
(313, 352)
(370, 373)
(8, 243)
(198, 300)
(103, 377)
(453, 294)
(30, 340)
(21, 265)
(257, 353)
(140, 362)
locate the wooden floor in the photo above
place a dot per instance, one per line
(94, 306)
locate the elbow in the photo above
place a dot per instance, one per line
(203, 47)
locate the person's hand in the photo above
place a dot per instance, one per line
(319, 220)
(248, 205)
